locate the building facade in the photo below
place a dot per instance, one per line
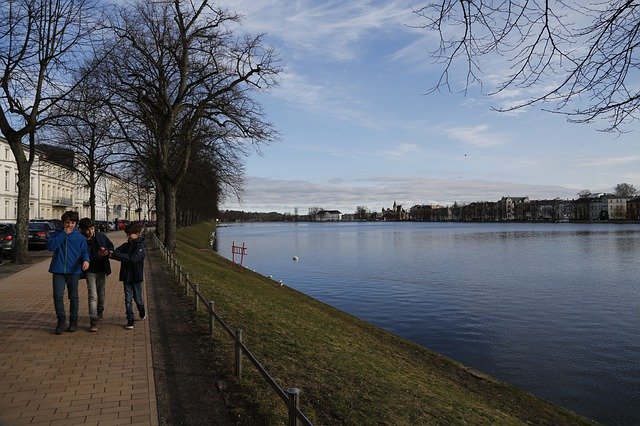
(56, 188)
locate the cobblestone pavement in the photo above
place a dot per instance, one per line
(74, 378)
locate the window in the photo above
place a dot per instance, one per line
(6, 180)
(31, 186)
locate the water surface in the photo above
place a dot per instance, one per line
(551, 308)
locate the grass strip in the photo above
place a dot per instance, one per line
(350, 372)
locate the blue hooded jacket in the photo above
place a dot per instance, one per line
(69, 251)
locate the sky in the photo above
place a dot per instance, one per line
(358, 127)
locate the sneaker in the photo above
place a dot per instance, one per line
(60, 325)
(93, 327)
(130, 325)
(73, 325)
(143, 313)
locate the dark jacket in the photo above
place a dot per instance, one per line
(131, 255)
(69, 251)
(99, 264)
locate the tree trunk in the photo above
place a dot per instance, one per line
(170, 192)
(160, 220)
(21, 249)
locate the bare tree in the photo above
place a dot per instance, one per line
(625, 190)
(581, 57)
(179, 68)
(585, 193)
(84, 126)
(41, 41)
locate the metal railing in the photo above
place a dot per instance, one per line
(290, 396)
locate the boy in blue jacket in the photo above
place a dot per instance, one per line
(70, 258)
(131, 256)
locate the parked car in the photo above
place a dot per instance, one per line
(56, 223)
(39, 233)
(103, 226)
(122, 223)
(7, 239)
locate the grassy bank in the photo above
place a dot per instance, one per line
(350, 372)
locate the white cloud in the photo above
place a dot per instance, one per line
(607, 161)
(401, 150)
(479, 136)
(329, 29)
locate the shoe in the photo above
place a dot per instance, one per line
(93, 327)
(143, 313)
(130, 325)
(60, 325)
(73, 325)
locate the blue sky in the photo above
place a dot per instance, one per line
(358, 130)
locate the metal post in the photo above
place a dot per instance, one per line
(238, 353)
(212, 318)
(179, 274)
(294, 400)
(196, 292)
(186, 285)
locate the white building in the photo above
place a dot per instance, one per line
(56, 188)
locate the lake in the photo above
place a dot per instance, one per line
(550, 308)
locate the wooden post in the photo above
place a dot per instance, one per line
(294, 401)
(212, 318)
(238, 353)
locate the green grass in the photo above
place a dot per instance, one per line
(349, 371)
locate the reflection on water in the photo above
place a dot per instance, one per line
(552, 308)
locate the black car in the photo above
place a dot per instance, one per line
(102, 226)
(39, 232)
(7, 239)
(56, 223)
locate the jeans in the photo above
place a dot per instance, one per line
(95, 289)
(70, 281)
(132, 291)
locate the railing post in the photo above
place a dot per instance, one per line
(212, 318)
(196, 291)
(180, 274)
(238, 353)
(294, 400)
(186, 285)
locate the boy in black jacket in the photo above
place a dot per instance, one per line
(131, 256)
(99, 268)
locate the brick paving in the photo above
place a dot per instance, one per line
(103, 378)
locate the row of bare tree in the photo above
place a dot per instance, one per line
(162, 89)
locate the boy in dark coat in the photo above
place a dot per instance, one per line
(131, 255)
(99, 268)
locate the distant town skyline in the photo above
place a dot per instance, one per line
(385, 204)
(358, 129)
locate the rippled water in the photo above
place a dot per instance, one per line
(551, 308)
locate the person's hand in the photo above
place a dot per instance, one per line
(103, 252)
(85, 265)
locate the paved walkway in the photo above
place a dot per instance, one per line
(74, 378)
